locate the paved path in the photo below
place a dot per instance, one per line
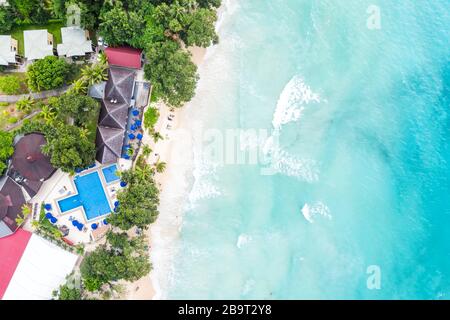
(34, 95)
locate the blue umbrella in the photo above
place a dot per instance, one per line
(92, 165)
(135, 112)
(138, 123)
(75, 223)
(80, 226)
(78, 170)
(131, 136)
(105, 221)
(53, 220)
(139, 136)
(94, 226)
(116, 203)
(125, 156)
(48, 206)
(48, 215)
(123, 184)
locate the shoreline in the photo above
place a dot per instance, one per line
(168, 223)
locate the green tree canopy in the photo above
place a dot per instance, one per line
(119, 26)
(48, 73)
(172, 73)
(185, 19)
(76, 106)
(29, 11)
(6, 19)
(200, 29)
(123, 258)
(6, 149)
(9, 84)
(138, 201)
(69, 148)
(66, 292)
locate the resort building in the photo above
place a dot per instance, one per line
(29, 166)
(31, 267)
(8, 51)
(126, 57)
(113, 120)
(28, 170)
(12, 198)
(38, 44)
(75, 42)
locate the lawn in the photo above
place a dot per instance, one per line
(52, 26)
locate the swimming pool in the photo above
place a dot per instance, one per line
(91, 196)
(110, 173)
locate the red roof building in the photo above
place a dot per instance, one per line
(31, 268)
(11, 251)
(124, 57)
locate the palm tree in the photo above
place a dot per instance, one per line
(102, 58)
(143, 172)
(19, 220)
(157, 136)
(160, 166)
(79, 87)
(25, 105)
(84, 133)
(26, 210)
(95, 73)
(146, 150)
(48, 114)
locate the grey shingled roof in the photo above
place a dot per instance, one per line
(114, 115)
(120, 84)
(109, 144)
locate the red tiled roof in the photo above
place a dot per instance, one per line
(11, 251)
(124, 56)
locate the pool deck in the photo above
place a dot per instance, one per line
(61, 186)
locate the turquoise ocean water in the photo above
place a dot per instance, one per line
(362, 166)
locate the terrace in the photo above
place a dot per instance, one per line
(79, 205)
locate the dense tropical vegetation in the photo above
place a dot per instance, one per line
(6, 149)
(48, 73)
(121, 258)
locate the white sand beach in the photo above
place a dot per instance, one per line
(172, 150)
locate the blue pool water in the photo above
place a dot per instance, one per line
(363, 161)
(91, 197)
(110, 173)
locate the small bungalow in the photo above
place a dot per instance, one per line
(8, 50)
(126, 57)
(38, 44)
(75, 42)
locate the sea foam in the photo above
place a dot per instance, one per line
(291, 104)
(310, 211)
